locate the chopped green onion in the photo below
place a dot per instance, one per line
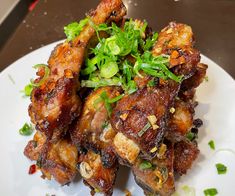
(105, 124)
(150, 42)
(46, 74)
(115, 99)
(151, 83)
(108, 59)
(26, 129)
(211, 144)
(107, 105)
(73, 29)
(191, 136)
(28, 89)
(210, 192)
(112, 46)
(109, 69)
(221, 168)
(145, 128)
(145, 165)
(90, 66)
(101, 82)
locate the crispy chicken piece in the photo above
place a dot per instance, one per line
(95, 175)
(137, 108)
(188, 87)
(93, 130)
(157, 179)
(181, 118)
(55, 103)
(94, 133)
(175, 40)
(60, 161)
(186, 153)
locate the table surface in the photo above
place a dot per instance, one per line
(213, 23)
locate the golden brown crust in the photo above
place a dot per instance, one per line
(138, 106)
(57, 160)
(55, 104)
(95, 174)
(158, 179)
(185, 154)
(181, 120)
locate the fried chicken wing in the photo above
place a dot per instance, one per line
(93, 130)
(137, 108)
(157, 178)
(188, 87)
(158, 100)
(55, 103)
(95, 175)
(181, 119)
(60, 161)
(94, 133)
(185, 154)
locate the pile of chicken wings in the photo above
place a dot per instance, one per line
(75, 135)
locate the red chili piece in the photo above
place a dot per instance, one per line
(32, 169)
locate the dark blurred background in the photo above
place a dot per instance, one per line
(33, 24)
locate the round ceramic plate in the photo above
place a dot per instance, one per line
(216, 107)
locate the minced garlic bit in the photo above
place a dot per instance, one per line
(155, 127)
(172, 110)
(162, 151)
(124, 116)
(85, 170)
(153, 119)
(170, 30)
(154, 149)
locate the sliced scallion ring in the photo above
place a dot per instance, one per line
(46, 74)
(109, 69)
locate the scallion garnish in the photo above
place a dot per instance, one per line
(108, 101)
(73, 29)
(28, 89)
(210, 192)
(191, 136)
(221, 168)
(107, 64)
(46, 74)
(211, 143)
(26, 129)
(145, 128)
(109, 69)
(145, 165)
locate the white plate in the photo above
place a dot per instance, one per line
(216, 108)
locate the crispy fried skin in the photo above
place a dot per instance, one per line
(60, 161)
(137, 107)
(185, 154)
(175, 40)
(181, 121)
(95, 175)
(93, 130)
(159, 179)
(34, 146)
(91, 134)
(188, 87)
(55, 104)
